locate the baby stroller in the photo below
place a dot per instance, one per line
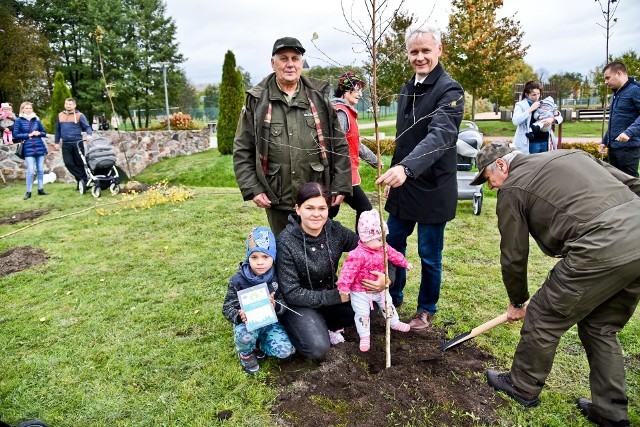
(100, 167)
(467, 146)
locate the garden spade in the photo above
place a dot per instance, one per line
(474, 332)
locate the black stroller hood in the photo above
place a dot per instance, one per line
(100, 154)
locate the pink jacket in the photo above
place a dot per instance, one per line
(360, 261)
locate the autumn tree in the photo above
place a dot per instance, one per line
(481, 49)
(520, 72)
(393, 67)
(568, 85)
(230, 103)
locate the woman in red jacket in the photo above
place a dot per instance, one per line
(347, 94)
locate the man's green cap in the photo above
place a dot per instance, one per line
(285, 42)
(487, 155)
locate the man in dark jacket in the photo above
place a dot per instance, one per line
(623, 134)
(584, 212)
(69, 127)
(288, 134)
(422, 176)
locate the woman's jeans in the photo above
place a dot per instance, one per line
(430, 245)
(538, 147)
(35, 162)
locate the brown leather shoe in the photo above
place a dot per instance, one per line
(590, 411)
(421, 320)
(501, 381)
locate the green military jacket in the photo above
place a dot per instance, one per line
(277, 158)
(574, 206)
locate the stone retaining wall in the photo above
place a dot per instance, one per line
(134, 151)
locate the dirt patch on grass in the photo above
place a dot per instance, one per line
(422, 387)
(23, 216)
(21, 258)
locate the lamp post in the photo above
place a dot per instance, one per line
(164, 66)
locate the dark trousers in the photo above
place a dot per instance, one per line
(278, 219)
(309, 333)
(358, 201)
(626, 159)
(72, 160)
(600, 301)
(430, 245)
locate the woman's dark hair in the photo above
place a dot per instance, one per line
(311, 190)
(529, 86)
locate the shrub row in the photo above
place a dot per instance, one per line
(387, 145)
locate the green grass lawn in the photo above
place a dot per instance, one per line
(123, 326)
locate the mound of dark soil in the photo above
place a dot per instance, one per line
(21, 258)
(422, 387)
(23, 216)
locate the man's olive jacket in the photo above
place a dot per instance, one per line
(277, 157)
(574, 206)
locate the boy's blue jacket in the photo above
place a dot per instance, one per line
(231, 305)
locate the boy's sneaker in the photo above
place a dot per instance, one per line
(249, 363)
(529, 135)
(259, 353)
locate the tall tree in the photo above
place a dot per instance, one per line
(393, 67)
(521, 72)
(60, 93)
(137, 35)
(481, 49)
(24, 54)
(568, 85)
(230, 104)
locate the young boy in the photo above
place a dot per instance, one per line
(257, 268)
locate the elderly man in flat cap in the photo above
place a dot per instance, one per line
(584, 212)
(288, 135)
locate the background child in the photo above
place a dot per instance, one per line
(7, 120)
(257, 268)
(369, 256)
(547, 109)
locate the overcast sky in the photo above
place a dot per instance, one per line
(563, 35)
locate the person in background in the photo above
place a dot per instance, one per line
(622, 138)
(29, 129)
(69, 126)
(547, 109)
(421, 184)
(257, 268)
(583, 212)
(346, 97)
(115, 122)
(536, 142)
(7, 120)
(288, 134)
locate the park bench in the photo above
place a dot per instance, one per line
(590, 114)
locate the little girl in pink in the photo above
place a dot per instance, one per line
(7, 119)
(369, 256)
